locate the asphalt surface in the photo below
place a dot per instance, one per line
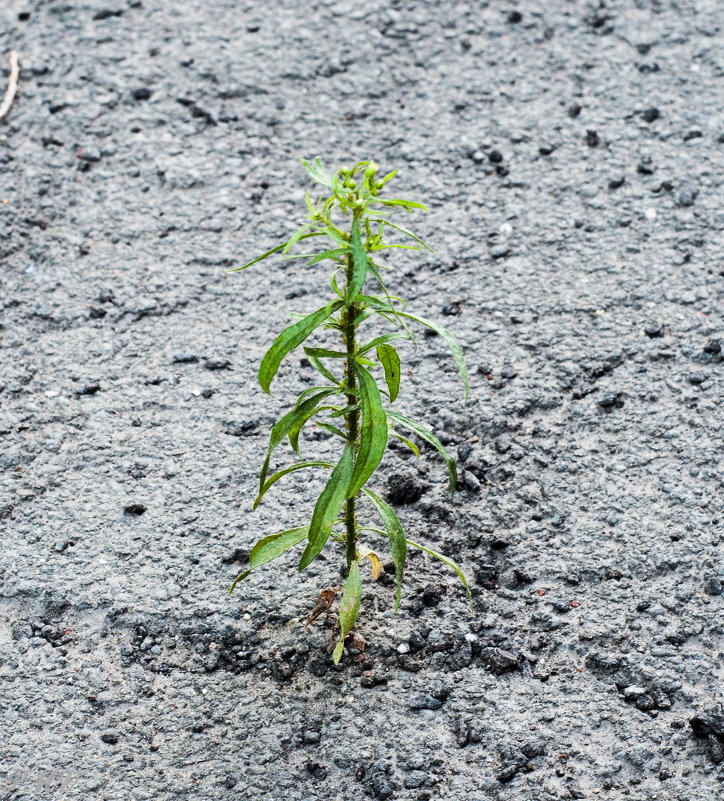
(571, 155)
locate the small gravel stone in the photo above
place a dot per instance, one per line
(650, 114)
(425, 702)
(687, 195)
(186, 357)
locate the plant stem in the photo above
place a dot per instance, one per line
(352, 417)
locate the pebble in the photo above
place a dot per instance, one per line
(217, 364)
(89, 154)
(89, 389)
(650, 114)
(611, 400)
(109, 736)
(134, 509)
(646, 166)
(654, 329)
(425, 702)
(592, 138)
(471, 481)
(687, 195)
(142, 93)
(499, 251)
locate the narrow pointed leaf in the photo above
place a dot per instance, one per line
(333, 429)
(300, 423)
(317, 172)
(281, 473)
(266, 255)
(448, 561)
(311, 391)
(324, 353)
(287, 423)
(333, 233)
(428, 436)
(406, 204)
(407, 233)
(327, 507)
(349, 608)
(390, 361)
(334, 253)
(289, 339)
(274, 546)
(410, 444)
(296, 236)
(322, 370)
(457, 351)
(398, 543)
(359, 264)
(373, 431)
(270, 548)
(389, 177)
(381, 340)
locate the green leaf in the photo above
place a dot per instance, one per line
(296, 236)
(390, 361)
(287, 423)
(317, 172)
(328, 254)
(333, 429)
(349, 608)
(269, 253)
(320, 368)
(398, 543)
(281, 473)
(270, 548)
(300, 423)
(323, 353)
(410, 444)
(381, 340)
(334, 233)
(289, 339)
(428, 436)
(457, 351)
(359, 264)
(327, 507)
(373, 431)
(389, 177)
(449, 562)
(406, 233)
(407, 204)
(374, 269)
(311, 391)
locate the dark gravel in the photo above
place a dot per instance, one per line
(571, 154)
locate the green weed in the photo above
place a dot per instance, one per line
(351, 395)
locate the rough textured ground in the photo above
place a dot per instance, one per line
(572, 157)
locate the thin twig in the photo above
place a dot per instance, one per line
(12, 85)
